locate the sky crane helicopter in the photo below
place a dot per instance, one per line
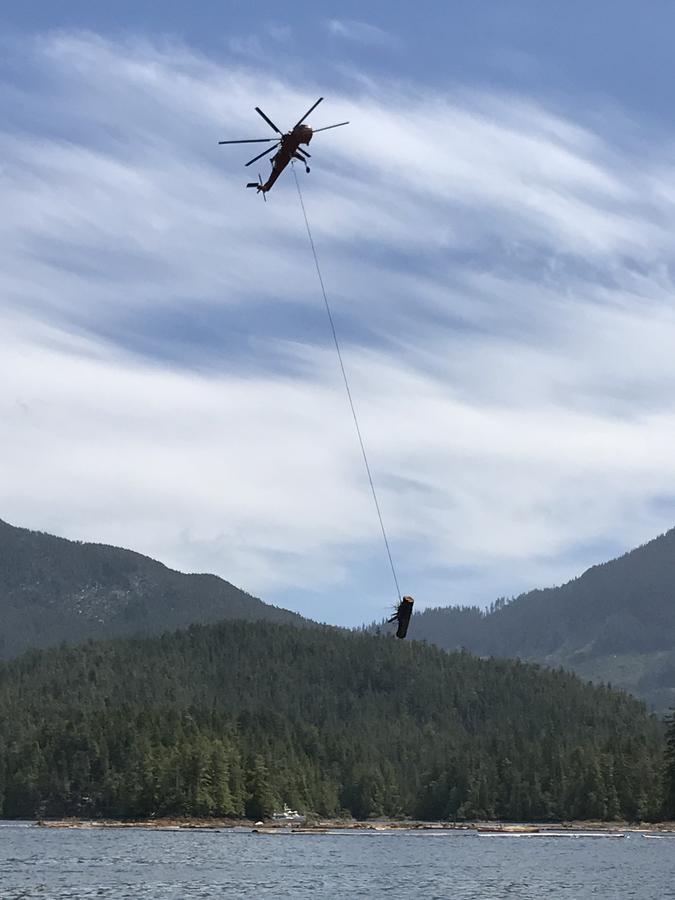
(288, 147)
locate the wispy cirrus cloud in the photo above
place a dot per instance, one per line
(259, 44)
(361, 33)
(503, 292)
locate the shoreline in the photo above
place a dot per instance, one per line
(325, 826)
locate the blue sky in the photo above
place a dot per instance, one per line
(495, 231)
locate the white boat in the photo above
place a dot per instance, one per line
(288, 815)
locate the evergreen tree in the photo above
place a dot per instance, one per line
(669, 787)
(239, 718)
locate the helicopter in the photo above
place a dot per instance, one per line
(287, 147)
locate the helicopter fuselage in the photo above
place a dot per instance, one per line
(286, 147)
(288, 150)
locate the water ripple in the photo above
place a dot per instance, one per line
(138, 864)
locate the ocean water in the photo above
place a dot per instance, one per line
(147, 864)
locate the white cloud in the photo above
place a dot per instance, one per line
(257, 46)
(500, 276)
(279, 33)
(361, 32)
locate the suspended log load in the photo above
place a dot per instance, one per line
(402, 616)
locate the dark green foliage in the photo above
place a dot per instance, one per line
(54, 590)
(615, 623)
(238, 718)
(669, 788)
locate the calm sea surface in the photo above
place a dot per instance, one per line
(144, 864)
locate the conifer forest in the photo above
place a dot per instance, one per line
(238, 718)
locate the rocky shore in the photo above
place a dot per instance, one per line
(324, 826)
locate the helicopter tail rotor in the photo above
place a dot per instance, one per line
(259, 186)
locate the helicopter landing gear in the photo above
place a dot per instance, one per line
(302, 160)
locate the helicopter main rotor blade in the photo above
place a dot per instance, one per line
(326, 127)
(251, 141)
(304, 153)
(267, 119)
(260, 155)
(311, 109)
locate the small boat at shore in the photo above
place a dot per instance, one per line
(288, 815)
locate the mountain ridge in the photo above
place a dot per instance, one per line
(615, 622)
(53, 589)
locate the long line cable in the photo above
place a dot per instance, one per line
(346, 381)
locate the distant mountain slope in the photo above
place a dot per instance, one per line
(54, 590)
(614, 623)
(239, 718)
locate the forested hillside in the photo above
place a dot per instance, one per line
(669, 787)
(238, 718)
(54, 590)
(615, 623)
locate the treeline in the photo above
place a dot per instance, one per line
(669, 781)
(239, 718)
